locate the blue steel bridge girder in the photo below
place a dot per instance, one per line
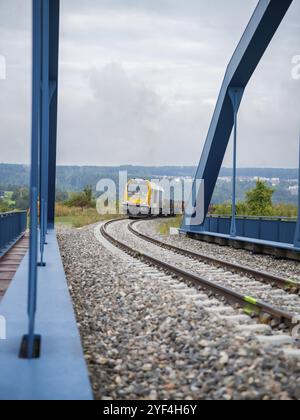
(49, 85)
(44, 139)
(58, 371)
(53, 96)
(262, 27)
(34, 174)
(236, 95)
(45, 44)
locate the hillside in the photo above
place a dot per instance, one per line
(75, 178)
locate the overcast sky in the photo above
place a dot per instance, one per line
(139, 80)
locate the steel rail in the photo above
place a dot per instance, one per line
(289, 285)
(250, 304)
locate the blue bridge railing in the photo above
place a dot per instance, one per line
(12, 228)
(262, 228)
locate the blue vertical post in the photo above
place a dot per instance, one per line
(297, 234)
(29, 341)
(235, 94)
(45, 131)
(53, 78)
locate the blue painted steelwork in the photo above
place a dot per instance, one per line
(43, 151)
(278, 249)
(49, 83)
(34, 172)
(254, 42)
(53, 93)
(44, 140)
(297, 234)
(271, 230)
(55, 370)
(60, 373)
(12, 228)
(236, 95)
(55, 367)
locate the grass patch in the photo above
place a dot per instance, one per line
(164, 226)
(7, 199)
(77, 217)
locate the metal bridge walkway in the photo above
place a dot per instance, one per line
(60, 373)
(10, 263)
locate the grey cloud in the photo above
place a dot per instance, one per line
(15, 100)
(138, 81)
(124, 118)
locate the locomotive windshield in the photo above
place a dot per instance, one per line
(137, 191)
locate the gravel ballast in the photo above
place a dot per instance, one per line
(145, 340)
(239, 283)
(285, 268)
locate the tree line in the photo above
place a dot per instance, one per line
(258, 202)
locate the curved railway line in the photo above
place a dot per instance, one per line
(272, 300)
(289, 285)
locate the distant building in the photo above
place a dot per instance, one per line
(275, 181)
(294, 190)
(2, 194)
(225, 178)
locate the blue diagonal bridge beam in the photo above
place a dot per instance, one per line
(250, 50)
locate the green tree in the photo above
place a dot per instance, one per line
(83, 199)
(88, 194)
(21, 198)
(4, 208)
(226, 209)
(259, 200)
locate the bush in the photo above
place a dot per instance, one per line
(259, 199)
(4, 208)
(285, 210)
(82, 200)
(258, 203)
(21, 198)
(77, 217)
(62, 210)
(226, 209)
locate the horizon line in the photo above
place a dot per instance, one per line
(152, 166)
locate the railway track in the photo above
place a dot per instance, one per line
(10, 263)
(206, 277)
(289, 285)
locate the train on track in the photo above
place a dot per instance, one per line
(144, 199)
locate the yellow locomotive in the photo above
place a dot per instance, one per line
(143, 199)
